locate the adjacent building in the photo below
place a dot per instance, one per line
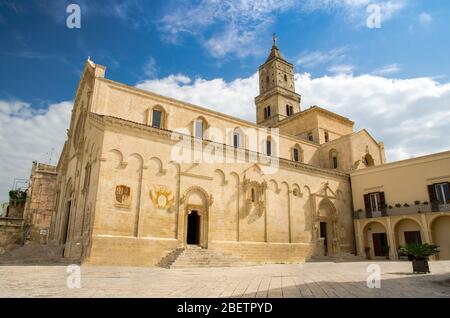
(403, 202)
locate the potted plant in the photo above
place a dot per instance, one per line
(367, 250)
(419, 254)
(385, 250)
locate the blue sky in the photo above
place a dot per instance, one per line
(384, 78)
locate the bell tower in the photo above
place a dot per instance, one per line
(277, 98)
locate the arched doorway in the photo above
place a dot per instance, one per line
(326, 224)
(441, 236)
(196, 207)
(375, 241)
(193, 228)
(407, 231)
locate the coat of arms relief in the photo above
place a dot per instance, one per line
(162, 197)
(123, 196)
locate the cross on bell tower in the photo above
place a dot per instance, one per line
(277, 98)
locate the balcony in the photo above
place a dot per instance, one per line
(412, 209)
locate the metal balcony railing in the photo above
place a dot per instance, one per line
(412, 209)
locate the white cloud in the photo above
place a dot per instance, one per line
(387, 70)
(150, 68)
(27, 134)
(237, 24)
(238, 27)
(411, 116)
(235, 98)
(315, 58)
(341, 69)
(425, 18)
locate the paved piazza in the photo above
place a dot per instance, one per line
(321, 279)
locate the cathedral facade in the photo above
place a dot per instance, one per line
(142, 174)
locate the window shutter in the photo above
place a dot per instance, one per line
(382, 199)
(382, 204)
(367, 202)
(433, 198)
(432, 193)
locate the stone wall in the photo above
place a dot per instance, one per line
(40, 202)
(10, 233)
(15, 210)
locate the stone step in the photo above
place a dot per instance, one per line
(192, 257)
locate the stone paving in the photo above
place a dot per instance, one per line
(321, 279)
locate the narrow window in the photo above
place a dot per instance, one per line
(253, 196)
(236, 139)
(442, 193)
(375, 202)
(199, 128)
(285, 77)
(268, 111)
(310, 136)
(296, 154)
(268, 147)
(265, 112)
(335, 162)
(327, 137)
(156, 118)
(287, 111)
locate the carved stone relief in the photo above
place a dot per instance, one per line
(123, 196)
(162, 197)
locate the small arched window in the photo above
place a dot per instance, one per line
(253, 195)
(158, 117)
(268, 150)
(199, 128)
(333, 159)
(285, 78)
(266, 112)
(289, 110)
(237, 138)
(297, 154)
(267, 79)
